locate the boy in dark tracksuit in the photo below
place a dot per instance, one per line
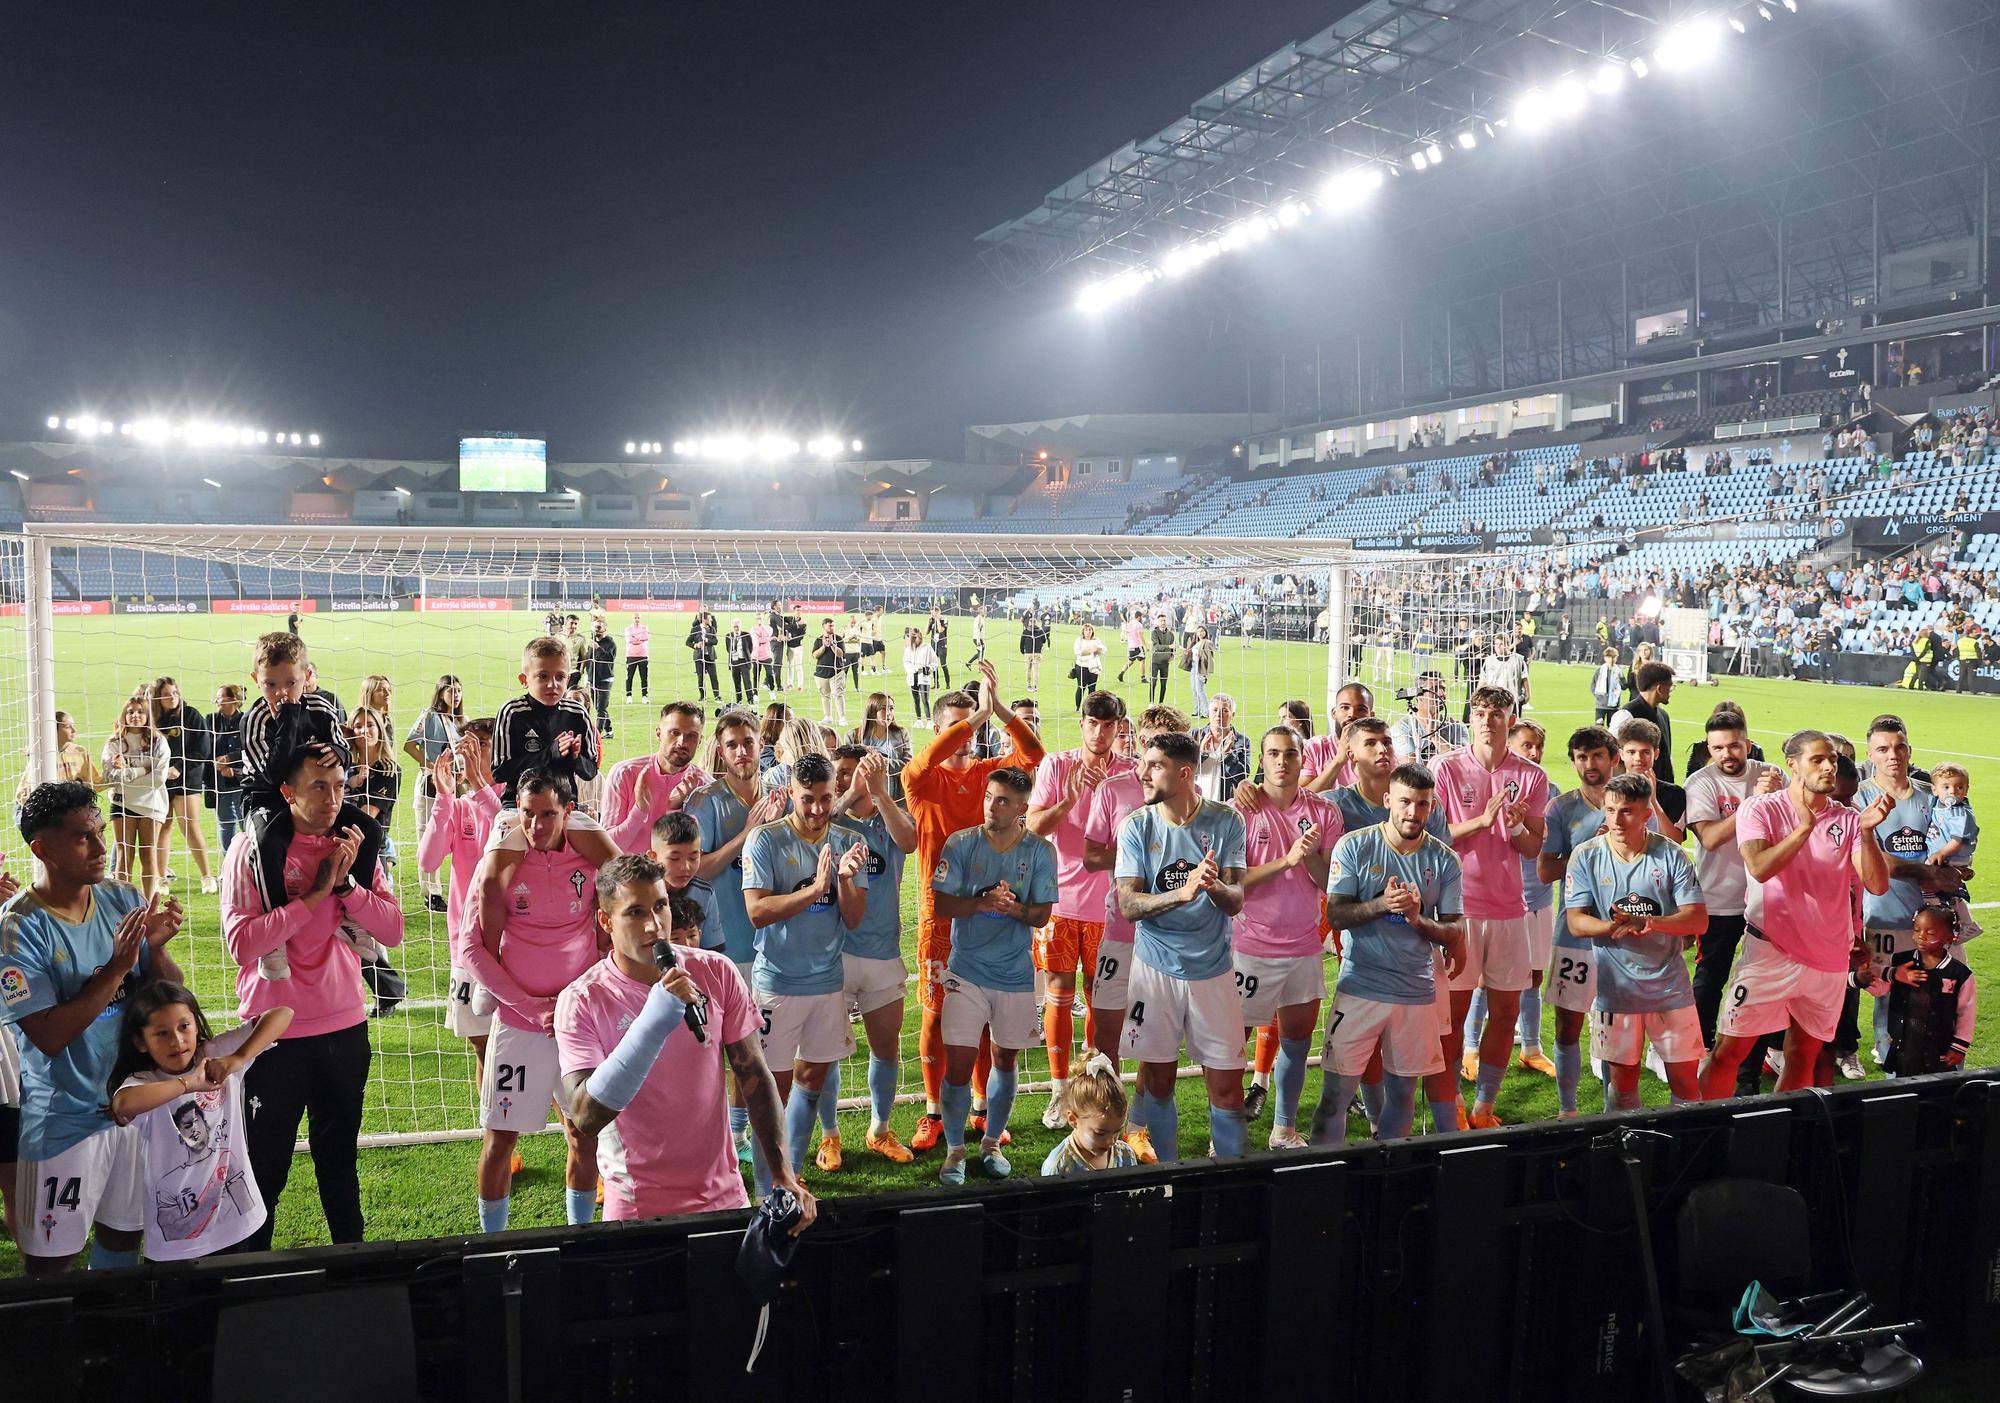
(285, 720)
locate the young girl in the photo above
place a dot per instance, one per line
(135, 763)
(204, 1196)
(1094, 1104)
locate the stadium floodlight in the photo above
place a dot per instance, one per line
(1348, 189)
(1792, 5)
(1608, 79)
(313, 439)
(213, 483)
(1738, 25)
(1689, 44)
(1436, 153)
(125, 431)
(1533, 110)
(264, 436)
(1764, 13)
(854, 446)
(1568, 97)
(18, 473)
(54, 422)
(630, 449)
(1640, 68)
(105, 426)
(1467, 140)
(706, 495)
(402, 491)
(295, 440)
(1419, 161)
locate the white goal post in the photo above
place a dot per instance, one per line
(106, 608)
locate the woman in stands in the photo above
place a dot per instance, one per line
(185, 731)
(1200, 666)
(1641, 655)
(135, 762)
(1089, 652)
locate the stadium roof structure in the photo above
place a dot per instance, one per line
(1875, 96)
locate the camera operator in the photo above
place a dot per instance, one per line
(1428, 731)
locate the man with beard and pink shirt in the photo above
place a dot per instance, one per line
(638, 791)
(1494, 801)
(1280, 963)
(1327, 763)
(1059, 809)
(1802, 849)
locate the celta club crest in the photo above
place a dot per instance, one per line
(1836, 830)
(576, 882)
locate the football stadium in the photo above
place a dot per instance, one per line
(1447, 863)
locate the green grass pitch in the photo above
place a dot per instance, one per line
(423, 1076)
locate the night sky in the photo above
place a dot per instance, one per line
(591, 222)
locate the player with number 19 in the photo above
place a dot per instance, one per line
(1181, 860)
(996, 884)
(1634, 894)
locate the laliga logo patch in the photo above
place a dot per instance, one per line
(943, 868)
(13, 985)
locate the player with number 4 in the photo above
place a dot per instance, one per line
(1180, 882)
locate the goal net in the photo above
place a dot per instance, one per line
(105, 611)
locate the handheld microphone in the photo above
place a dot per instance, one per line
(696, 1014)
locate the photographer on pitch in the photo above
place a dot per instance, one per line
(1428, 730)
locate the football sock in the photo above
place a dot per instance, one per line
(1160, 1117)
(579, 1206)
(881, 1089)
(829, 1101)
(1058, 1031)
(1371, 1102)
(1475, 1018)
(1399, 1106)
(1228, 1130)
(1336, 1094)
(1444, 1115)
(953, 1099)
(1528, 1028)
(1486, 1088)
(800, 1109)
(1291, 1079)
(493, 1214)
(1629, 1100)
(103, 1258)
(1267, 1054)
(1569, 1072)
(1000, 1088)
